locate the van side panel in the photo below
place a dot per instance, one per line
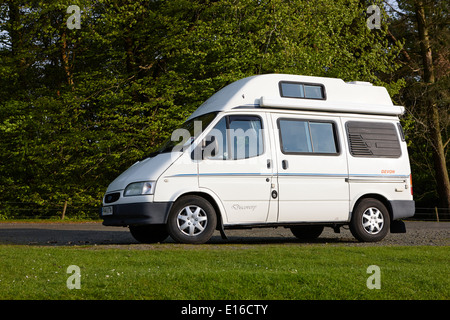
(241, 180)
(312, 174)
(378, 162)
(181, 177)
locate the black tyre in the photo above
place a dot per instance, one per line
(370, 221)
(307, 232)
(152, 233)
(192, 219)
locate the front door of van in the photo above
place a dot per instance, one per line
(240, 171)
(312, 169)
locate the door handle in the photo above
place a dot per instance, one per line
(285, 164)
(269, 163)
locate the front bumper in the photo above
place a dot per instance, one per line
(133, 214)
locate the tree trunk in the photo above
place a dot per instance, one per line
(440, 166)
(65, 54)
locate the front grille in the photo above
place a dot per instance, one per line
(112, 197)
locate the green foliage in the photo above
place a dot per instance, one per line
(417, 96)
(79, 106)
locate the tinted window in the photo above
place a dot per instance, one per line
(292, 90)
(238, 137)
(302, 90)
(245, 136)
(313, 92)
(219, 132)
(295, 136)
(303, 136)
(322, 135)
(373, 139)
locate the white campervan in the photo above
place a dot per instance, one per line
(273, 150)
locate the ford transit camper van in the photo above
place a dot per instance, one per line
(273, 150)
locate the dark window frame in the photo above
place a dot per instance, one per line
(324, 94)
(358, 146)
(230, 145)
(335, 137)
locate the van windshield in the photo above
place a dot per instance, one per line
(186, 134)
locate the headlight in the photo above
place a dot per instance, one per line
(139, 188)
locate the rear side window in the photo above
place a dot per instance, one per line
(307, 137)
(373, 139)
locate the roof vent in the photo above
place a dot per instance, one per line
(361, 83)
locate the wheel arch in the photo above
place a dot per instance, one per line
(211, 200)
(376, 196)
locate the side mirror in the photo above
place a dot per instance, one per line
(210, 147)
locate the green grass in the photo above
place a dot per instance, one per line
(170, 271)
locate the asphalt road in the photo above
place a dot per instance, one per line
(95, 234)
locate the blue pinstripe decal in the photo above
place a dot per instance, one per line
(295, 174)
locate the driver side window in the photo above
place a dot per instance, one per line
(237, 137)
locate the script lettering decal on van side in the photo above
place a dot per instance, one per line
(387, 171)
(239, 207)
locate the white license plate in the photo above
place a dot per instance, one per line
(107, 211)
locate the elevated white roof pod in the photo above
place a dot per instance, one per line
(264, 91)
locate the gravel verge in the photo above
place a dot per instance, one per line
(419, 233)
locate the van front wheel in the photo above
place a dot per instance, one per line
(192, 220)
(370, 221)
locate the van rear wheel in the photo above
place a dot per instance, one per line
(370, 221)
(192, 220)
